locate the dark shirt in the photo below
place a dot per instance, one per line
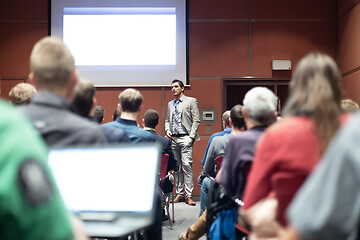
(166, 148)
(55, 118)
(239, 153)
(135, 133)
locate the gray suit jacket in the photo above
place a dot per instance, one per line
(190, 116)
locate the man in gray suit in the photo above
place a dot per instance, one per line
(181, 126)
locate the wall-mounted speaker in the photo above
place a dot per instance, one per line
(281, 65)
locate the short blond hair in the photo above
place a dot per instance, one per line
(22, 93)
(130, 100)
(349, 106)
(51, 63)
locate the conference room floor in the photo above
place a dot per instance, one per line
(185, 216)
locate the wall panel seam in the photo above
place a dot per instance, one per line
(255, 20)
(349, 9)
(22, 21)
(351, 71)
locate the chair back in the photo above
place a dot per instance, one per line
(219, 160)
(163, 168)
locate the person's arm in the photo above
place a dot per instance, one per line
(224, 175)
(207, 149)
(218, 176)
(78, 228)
(208, 169)
(258, 183)
(167, 122)
(290, 234)
(195, 119)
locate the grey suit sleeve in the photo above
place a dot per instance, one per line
(328, 204)
(195, 118)
(167, 120)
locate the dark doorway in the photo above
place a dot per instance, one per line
(235, 90)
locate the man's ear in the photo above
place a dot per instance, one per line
(94, 101)
(246, 115)
(230, 122)
(32, 80)
(119, 107)
(75, 78)
(143, 122)
(141, 106)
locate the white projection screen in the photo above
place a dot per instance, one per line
(124, 42)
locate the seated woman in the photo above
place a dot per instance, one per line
(291, 148)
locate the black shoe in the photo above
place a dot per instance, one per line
(165, 218)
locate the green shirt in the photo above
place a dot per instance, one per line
(30, 205)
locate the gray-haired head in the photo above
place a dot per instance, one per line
(260, 104)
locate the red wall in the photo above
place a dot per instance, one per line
(227, 39)
(349, 50)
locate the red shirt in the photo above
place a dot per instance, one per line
(286, 155)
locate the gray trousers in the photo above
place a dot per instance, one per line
(183, 149)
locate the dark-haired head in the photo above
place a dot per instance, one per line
(178, 81)
(151, 118)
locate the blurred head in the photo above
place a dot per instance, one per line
(225, 119)
(237, 117)
(130, 100)
(315, 92)
(349, 106)
(84, 97)
(99, 113)
(52, 65)
(151, 118)
(316, 81)
(260, 104)
(116, 114)
(22, 93)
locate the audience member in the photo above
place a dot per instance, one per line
(181, 125)
(259, 111)
(53, 72)
(22, 93)
(150, 121)
(226, 130)
(349, 106)
(291, 148)
(99, 113)
(31, 206)
(116, 113)
(130, 105)
(85, 102)
(327, 206)
(216, 149)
